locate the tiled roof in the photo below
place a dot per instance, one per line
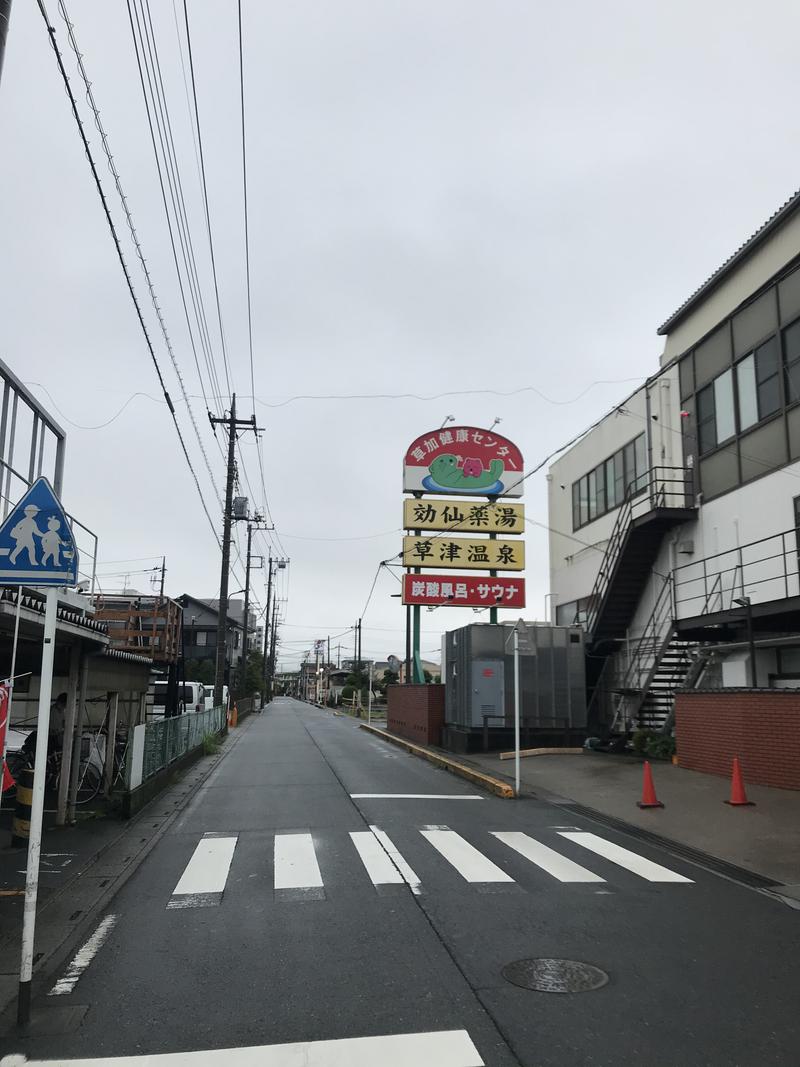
(33, 603)
(741, 252)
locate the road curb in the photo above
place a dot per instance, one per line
(51, 961)
(485, 781)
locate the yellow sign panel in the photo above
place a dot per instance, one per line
(462, 516)
(464, 553)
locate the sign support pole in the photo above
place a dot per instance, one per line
(516, 710)
(369, 695)
(37, 809)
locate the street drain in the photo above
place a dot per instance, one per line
(554, 976)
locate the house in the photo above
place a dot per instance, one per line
(200, 626)
(674, 519)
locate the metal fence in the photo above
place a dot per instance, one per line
(764, 570)
(166, 740)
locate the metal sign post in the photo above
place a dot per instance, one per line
(516, 710)
(520, 631)
(37, 549)
(369, 695)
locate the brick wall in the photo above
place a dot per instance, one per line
(760, 726)
(416, 712)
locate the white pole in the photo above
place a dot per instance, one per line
(37, 809)
(369, 697)
(516, 709)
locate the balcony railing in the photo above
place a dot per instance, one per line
(763, 570)
(658, 489)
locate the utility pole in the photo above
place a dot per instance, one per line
(278, 564)
(254, 525)
(246, 619)
(231, 422)
(163, 572)
(267, 631)
(272, 645)
(5, 18)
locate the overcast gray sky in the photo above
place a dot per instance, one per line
(444, 196)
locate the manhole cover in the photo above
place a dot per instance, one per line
(555, 976)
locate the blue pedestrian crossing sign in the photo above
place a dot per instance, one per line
(36, 542)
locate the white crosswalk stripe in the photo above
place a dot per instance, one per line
(203, 881)
(296, 864)
(408, 874)
(471, 864)
(565, 870)
(376, 860)
(445, 1048)
(623, 857)
(298, 875)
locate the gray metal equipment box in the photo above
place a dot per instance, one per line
(478, 665)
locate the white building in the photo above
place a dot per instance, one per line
(675, 519)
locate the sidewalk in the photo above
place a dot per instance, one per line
(764, 839)
(82, 867)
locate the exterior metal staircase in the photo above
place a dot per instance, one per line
(665, 500)
(655, 667)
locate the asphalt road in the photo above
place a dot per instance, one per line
(312, 915)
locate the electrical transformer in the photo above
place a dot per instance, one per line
(478, 673)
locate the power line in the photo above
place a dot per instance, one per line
(246, 220)
(448, 393)
(62, 69)
(205, 194)
(132, 228)
(169, 180)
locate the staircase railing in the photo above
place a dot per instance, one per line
(659, 488)
(651, 646)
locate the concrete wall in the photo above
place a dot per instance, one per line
(575, 555)
(761, 727)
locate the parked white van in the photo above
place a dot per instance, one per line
(210, 697)
(192, 698)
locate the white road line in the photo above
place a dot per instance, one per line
(471, 864)
(296, 864)
(203, 880)
(83, 958)
(445, 1048)
(374, 857)
(631, 861)
(415, 796)
(565, 870)
(389, 847)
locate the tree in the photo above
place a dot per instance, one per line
(253, 675)
(199, 670)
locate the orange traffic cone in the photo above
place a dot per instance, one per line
(235, 716)
(649, 798)
(738, 795)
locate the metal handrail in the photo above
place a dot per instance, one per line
(752, 566)
(656, 493)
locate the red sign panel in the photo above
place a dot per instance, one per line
(463, 591)
(464, 460)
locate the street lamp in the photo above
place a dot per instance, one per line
(746, 603)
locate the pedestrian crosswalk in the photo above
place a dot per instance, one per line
(297, 873)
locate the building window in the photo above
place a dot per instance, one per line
(605, 487)
(758, 382)
(200, 637)
(791, 351)
(715, 415)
